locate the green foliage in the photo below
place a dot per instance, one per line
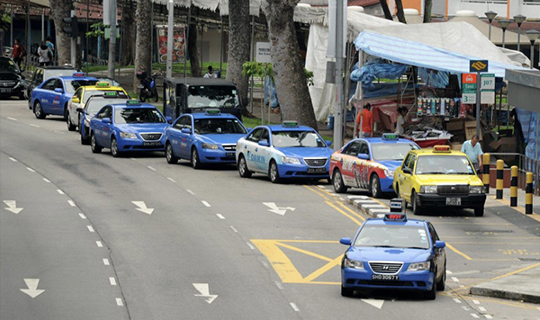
(256, 69)
(5, 20)
(97, 30)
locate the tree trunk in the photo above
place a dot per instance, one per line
(400, 13)
(386, 10)
(128, 33)
(289, 76)
(427, 10)
(239, 45)
(193, 51)
(61, 9)
(143, 58)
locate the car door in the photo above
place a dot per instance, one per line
(175, 135)
(250, 144)
(361, 167)
(73, 113)
(349, 157)
(439, 253)
(45, 95)
(406, 185)
(57, 98)
(101, 129)
(185, 139)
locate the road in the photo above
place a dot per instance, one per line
(137, 238)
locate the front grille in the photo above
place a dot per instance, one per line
(385, 267)
(151, 136)
(7, 84)
(316, 162)
(229, 147)
(453, 189)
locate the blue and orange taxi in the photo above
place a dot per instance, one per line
(129, 126)
(394, 253)
(369, 163)
(203, 138)
(53, 95)
(284, 151)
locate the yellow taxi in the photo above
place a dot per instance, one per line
(439, 177)
(83, 94)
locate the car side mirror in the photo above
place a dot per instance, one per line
(345, 241)
(59, 90)
(407, 170)
(440, 244)
(263, 143)
(249, 130)
(107, 120)
(363, 156)
(169, 119)
(80, 109)
(328, 143)
(75, 100)
(186, 130)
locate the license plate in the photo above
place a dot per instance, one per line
(316, 170)
(385, 277)
(453, 201)
(230, 154)
(5, 90)
(152, 144)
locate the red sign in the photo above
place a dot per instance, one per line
(469, 78)
(178, 44)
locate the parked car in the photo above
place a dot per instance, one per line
(91, 107)
(44, 73)
(12, 82)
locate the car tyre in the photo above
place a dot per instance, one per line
(38, 111)
(414, 204)
(479, 212)
(169, 154)
(21, 96)
(431, 294)
(94, 145)
(70, 125)
(375, 186)
(66, 113)
(242, 168)
(337, 182)
(441, 282)
(346, 292)
(273, 172)
(114, 148)
(195, 160)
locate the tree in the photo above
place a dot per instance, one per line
(427, 10)
(128, 33)
(61, 9)
(143, 48)
(239, 45)
(193, 51)
(290, 79)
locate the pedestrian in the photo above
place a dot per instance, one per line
(518, 131)
(44, 54)
(18, 52)
(364, 122)
(401, 122)
(473, 150)
(50, 46)
(210, 73)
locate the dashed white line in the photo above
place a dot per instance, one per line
(476, 302)
(488, 316)
(538, 308)
(205, 203)
(112, 280)
(455, 279)
(90, 228)
(482, 309)
(82, 216)
(265, 264)
(59, 132)
(119, 302)
(60, 191)
(295, 308)
(448, 272)
(13, 159)
(457, 300)
(220, 216)
(462, 286)
(46, 180)
(250, 246)
(279, 285)
(466, 308)
(71, 203)
(134, 159)
(10, 118)
(234, 229)
(30, 169)
(190, 192)
(474, 315)
(106, 262)
(151, 168)
(34, 125)
(171, 180)
(99, 244)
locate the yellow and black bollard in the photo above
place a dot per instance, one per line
(529, 194)
(514, 187)
(500, 183)
(485, 171)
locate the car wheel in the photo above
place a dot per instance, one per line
(431, 294)
(414, 203)
(70, 125)
(84, 140)
(273, 172)
(337, 181)
(94, 145)
(169, 154)
(441, 283)
(38, 111)
(66, 113)
(21, 96)
(375, 186)
(155, 95)
(195, 160)
(346, 292)
(114, 148)
(479, 212)
(242, 168)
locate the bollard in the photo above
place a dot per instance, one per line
(500, 183)
(485, 171)
(514, 187)
(529, 194)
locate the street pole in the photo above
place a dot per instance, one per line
(478, 104)
(112, 39)
(87, 30)
(73, 45)
(252, 58)
(186, 38)
(11, 30)
(338, 111)
(170, 28)
(221, 48)
(42, 24)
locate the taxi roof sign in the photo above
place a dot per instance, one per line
(78, 74)
(133, 102)
(393, 216)
(102, 84)
(213, 111)
(290, 123)
(109, 94)
(390, 136)
(442, 149)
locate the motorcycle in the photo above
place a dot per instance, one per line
(147, 88)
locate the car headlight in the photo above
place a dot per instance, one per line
(419, 266)
(128, 135)
(476, 189)
(388, 173)
(428, 189)
(355, 264)
(291, 160)
(210, 146)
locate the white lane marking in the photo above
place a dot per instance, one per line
(234, 229)
(295, 308)
(99, 244)
(455, 279)
(151, 168)
(482, 309)
(488, 316)
(171, 180)
(112, 280)
(220, 216)
(462, 286)
(448, 272)
(206, 203)
(106, 262)
(46, 180)
(119, 302)
(476, 302)
(265, 264)
(34, 125)
(250, 246)
(457, 300)
(30, 169)
(71, 203)
(60, 191)
(60, 132)
(32, 290)
(279, 285)
(465, 308)
(341, 198)
(474, 315)
(133, 159)
(10, 118)
(321, 186)
(82, 216)
(13, 159)
(538, 308)
(190, 192)
(90, 229)
(142, 207)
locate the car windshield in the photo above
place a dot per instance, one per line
(138, 115)
(288, 139)
(212, 96)
(90, 93)
(433, 164)
(218, 126)
(392, 236)
(94, 105)
(391, 151)
(49, 73)
(73, 85)
(7, 65)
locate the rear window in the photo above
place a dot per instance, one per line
(49, 73)
(73, 85)
(90, 93)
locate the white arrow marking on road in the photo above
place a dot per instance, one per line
(276, 209)
(12, 206)
(373, 302)
(204, 292)
(32, 290)
(142, 207)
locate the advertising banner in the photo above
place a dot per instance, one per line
(178, 43)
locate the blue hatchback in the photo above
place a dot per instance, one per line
(284, 151)
(52, 96)
(129, 126)
(394, 253)
(203, 138)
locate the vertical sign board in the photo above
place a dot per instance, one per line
(487, 88)
(263, 52)
(468, 87)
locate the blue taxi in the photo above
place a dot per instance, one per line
(52, 96)
(284, 151)
(369, 163)
(203, 138)
(128, 126)
(394, 253)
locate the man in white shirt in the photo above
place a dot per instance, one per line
(210, 73)
(473, 150)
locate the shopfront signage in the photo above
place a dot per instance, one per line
(478, 65)
(487, 87)
(468, 88)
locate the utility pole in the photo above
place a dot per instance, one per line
(112, 39)
(73, 42)
(340, 21)
(170, 30)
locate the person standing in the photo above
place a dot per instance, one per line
(50, 46)
(401, 123)
(473, 150)
(44, 54)
(18, 52)
(364, 122)
(210, 73)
